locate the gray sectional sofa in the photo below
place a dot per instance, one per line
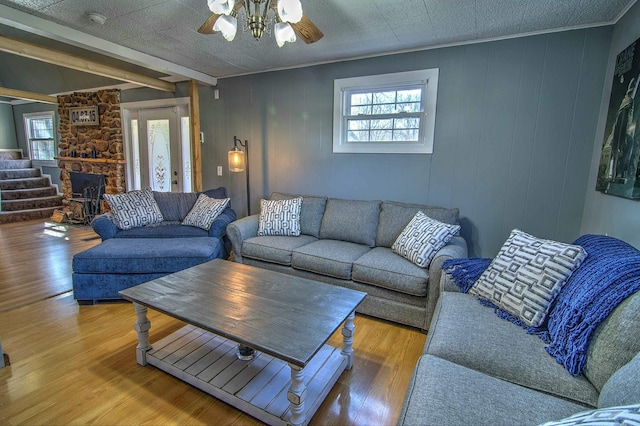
(347, 243)
(480, 369)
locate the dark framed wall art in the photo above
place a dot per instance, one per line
(619, 171)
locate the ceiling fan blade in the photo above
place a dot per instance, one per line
(307, 31)
(207, 27)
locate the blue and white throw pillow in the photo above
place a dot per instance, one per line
(205, 211)
(527, 275)
(627, 415)
(280, 217)
(422, 238)
(134, 209)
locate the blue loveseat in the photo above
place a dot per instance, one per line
(126, 258)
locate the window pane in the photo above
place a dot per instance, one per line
(358, 136)
(359, 124)
(409, 107)
(409, 135)
(361, 110)
(384, 109)
(384, 97)
(381, 135)
(407, 123)
(412, 95)
(41, 128)
(382, 124)
(361, 99)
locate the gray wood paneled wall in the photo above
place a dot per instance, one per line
(515, 125)
(7, 129)
(606, 214)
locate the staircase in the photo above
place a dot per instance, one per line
(24, 193)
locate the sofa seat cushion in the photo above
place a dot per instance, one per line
(444, 393)
(163, 230)
(622, 388)
(383, 268)
(470, 334)
(328, 257)
(145, 255)
(274, 249)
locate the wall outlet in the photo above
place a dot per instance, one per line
(219, 170)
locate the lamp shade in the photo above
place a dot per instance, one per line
(284, 33)
(290, 10)
(236, 160)
(221, 7)
(227, 25)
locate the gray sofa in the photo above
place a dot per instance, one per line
(347, 243)
(479, 369)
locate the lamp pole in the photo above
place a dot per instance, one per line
(245, 145)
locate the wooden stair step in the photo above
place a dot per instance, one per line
(14, 164)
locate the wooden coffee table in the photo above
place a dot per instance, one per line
(286, 319)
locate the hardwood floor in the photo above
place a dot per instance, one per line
(75, 364)
(35, 260)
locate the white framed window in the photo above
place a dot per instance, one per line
(386, 113)
(39, 130)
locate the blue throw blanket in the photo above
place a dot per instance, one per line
(609, 274)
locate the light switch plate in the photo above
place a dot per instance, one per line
(219, 170)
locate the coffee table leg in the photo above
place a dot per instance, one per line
(142, 327)
(296, 395)
(348, 331)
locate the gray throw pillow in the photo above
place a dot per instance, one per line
(422, 238)
(527, 275)
(205, 211)
(134, 209)
(280, 217)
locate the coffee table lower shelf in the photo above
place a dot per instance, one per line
(258, 387)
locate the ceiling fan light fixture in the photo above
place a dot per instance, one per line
(284, 33)
(227, 25)
(290, 10)
(221, 7)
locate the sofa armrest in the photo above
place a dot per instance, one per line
(239, 231)
(456, 248)
(105, 226)
(219, 226)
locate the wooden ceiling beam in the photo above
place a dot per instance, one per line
(28, 96)
(55, 57)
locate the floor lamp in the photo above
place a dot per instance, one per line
(237, 160)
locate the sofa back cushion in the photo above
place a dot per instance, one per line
(622, 388)
(310, 213)
(615, 342)
(175, 206)
(351, 220)
(394, 217)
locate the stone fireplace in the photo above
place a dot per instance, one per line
(97, 149)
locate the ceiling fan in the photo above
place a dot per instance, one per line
(287, 18)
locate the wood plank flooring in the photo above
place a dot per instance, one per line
(75, 364)
(35, 259)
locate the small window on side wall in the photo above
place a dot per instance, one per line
(387, 113)
(40, 134)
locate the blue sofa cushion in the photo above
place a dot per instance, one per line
(145, 255)
(163, 230)
(383, 268)
(175, 206)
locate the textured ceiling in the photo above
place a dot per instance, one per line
(353, 28)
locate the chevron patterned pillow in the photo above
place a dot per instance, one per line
(205, 211)
(527, 275)
(280, 217)
(422, 238)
